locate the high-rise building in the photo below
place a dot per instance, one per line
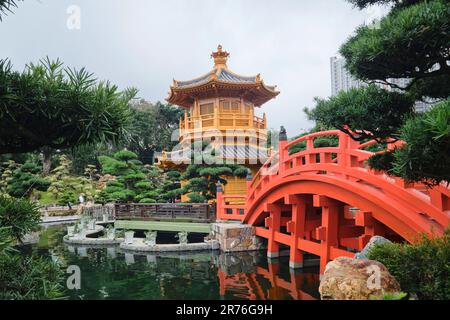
(342, 80)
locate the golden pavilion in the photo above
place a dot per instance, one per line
(220, 108)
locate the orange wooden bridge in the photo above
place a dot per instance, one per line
(327, 202)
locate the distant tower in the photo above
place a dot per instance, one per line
(341, 79)
(222, 101)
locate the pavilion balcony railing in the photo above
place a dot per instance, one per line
(222, 121)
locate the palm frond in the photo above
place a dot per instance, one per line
(6, 7)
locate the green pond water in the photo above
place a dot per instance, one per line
(107, 273)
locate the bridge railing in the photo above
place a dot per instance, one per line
(347, 160)
(230, 207)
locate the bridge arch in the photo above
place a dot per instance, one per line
(327, 202)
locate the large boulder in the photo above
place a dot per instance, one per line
(355, 279)
(375, 240)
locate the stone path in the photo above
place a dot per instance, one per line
(139, 245)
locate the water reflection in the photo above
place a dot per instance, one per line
(251, 276)
(109, 273)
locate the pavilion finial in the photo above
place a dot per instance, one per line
(220, 57)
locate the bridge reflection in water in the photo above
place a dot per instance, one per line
(272, 280)
(195, 275)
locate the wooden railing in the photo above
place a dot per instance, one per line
(165, 212)
(223, 121)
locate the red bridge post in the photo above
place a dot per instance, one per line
(273, 223)
(219, 203)
(282, 152)
(328, 232)
(297, 229)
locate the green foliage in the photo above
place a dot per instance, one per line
(382, 161)
(391, 296)
(67, 198)
(426, 156)
(86, 155)
(375, 112)
(6, 6)
(7, 169)
(151, 128)
(361, 4)
(49, 105)
(202, 178)
(134, 181)
(24, 277)
(29, 278)
(407, 43)
(5, 241)
(411, 43)
(25, 180)
(195, 197)
(206, 171)
(65, 187)
(20, 215)
(319, 142)
(125, 155)
(422, 268)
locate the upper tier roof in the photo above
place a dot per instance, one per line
(221, 82)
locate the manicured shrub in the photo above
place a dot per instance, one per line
(25, 180)
(422, 268)
(196, 198)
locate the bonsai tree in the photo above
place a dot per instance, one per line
(65, 187)
(7, 170)
(203, 178)
(25, 180)
(133, 180)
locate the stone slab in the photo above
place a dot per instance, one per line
(235, 237)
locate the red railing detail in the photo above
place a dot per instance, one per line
(336, 177)
(227, 211)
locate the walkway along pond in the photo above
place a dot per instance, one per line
(109, 273)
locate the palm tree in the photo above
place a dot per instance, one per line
(6, 6)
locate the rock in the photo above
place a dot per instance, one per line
(356, 279)
(375, 240)
(234, 237)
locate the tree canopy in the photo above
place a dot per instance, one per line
(373, 112)
(151, 128)
(411, 42)
(50, 105)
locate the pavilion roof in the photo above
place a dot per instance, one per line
(223, 82)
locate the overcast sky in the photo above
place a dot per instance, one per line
(147, 43)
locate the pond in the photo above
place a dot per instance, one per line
(107, 273)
